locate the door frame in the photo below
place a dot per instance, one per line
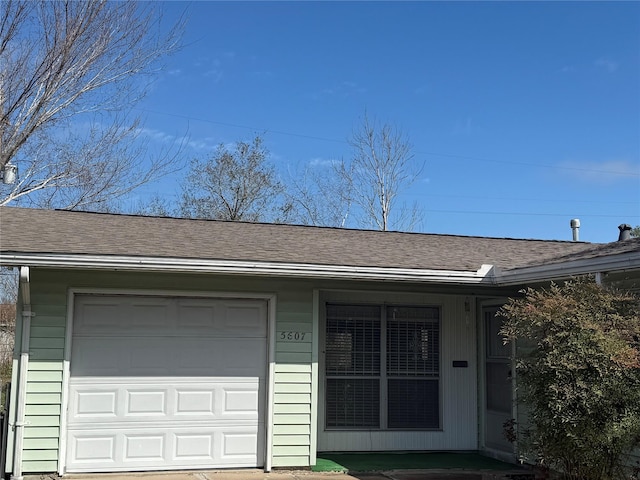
(270, 298)
(508, 456)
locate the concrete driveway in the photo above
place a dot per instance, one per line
(290, 475)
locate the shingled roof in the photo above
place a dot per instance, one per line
(32, 231)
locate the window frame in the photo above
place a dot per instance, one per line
(383, 377)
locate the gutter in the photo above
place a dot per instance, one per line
(485, 274)
(556, 271)
(23, 367)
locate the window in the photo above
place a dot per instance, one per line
(382, 366)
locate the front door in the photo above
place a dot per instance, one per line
(498, 399)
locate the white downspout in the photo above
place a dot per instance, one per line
(23, 366)
(598, 278)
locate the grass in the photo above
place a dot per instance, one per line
(372, 462)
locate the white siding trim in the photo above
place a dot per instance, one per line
(271, 375)
(66, 375)
(313, 447)
(271, 321)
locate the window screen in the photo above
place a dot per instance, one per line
(496, 348)
(413, 341)
(413, 404)
(353, 403)
(353, 340)
(374, 352)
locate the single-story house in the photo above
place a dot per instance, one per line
(147, 343)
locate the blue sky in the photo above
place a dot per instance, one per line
(524, 114)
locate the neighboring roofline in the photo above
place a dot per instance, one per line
(553, 271)
(484, 275)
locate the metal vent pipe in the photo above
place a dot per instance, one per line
(625, 232)
(575, 227)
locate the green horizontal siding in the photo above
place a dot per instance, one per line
(291, 430)
(301, 347)
(291, 419)
(291, 461)
(44, 398)
(283, 440)
(40, 443)
(47, 354)
(293, 380)
(43, 420)
(293, 368)
(295, 357)
(293, 377)
(292, 398)
(41, 387)
(42, 410)
(47, 332)
(292, 388)
(40, 466)
(36, 343)
(41, 432)
(40, 455)
(291, 450)
(45, 365)
(288, 322)
(43, 375)
(286, 408)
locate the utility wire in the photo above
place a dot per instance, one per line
(431, 154)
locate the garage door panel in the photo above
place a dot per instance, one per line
(95, 448)
(162, 356)
(240, 317)
(94, 404)
(209, 399)
(138, 449)
(194, 446)
(166, 383)
(227, 318)
(98, 315)
(96, 356)
(145, 447)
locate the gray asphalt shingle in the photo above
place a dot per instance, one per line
(25, 230)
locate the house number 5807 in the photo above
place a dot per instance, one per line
(292, 336)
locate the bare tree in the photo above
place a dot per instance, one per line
(70, 72)
(235, 184)
(156, 206)
(381, 168)
(318, 196)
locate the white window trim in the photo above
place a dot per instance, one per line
(383, 376)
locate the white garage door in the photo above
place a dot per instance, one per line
(166, 383)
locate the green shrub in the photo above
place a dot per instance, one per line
(578, 375)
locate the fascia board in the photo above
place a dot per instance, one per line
(483, 275)
(614, 263)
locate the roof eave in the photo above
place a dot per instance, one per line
(484, 275)
(563, 270)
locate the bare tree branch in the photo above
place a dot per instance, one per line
(234, 184)
(65, 63)
(381, 168)
(319, 197)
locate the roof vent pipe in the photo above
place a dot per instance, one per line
(625, 232)
(575, 226)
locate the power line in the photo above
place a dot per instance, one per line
(566, 215)
(432, 154)
(514, 199)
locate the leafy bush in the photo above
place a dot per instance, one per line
(578, 375)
